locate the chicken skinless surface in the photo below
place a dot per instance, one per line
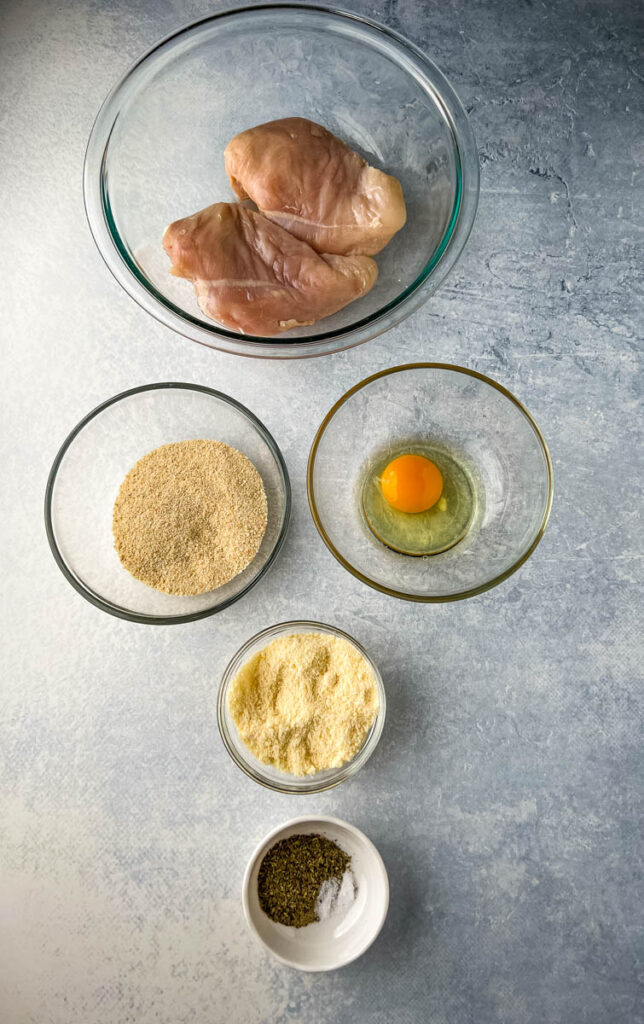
(252, 276)
(308, 181)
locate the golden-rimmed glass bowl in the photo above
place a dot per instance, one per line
(492, 435)
(156, 154)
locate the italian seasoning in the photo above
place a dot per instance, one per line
(292, 874)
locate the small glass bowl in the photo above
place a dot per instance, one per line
(91, 465)
(155, 154)
(265, 774)
(496, 442)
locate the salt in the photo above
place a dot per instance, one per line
(335, 897)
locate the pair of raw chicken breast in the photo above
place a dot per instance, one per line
(323, 213)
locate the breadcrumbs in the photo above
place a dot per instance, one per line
(189, 516)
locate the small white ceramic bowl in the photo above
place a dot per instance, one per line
(329, 944)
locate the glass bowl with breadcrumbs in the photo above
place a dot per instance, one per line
(301, 707)
(156, 490)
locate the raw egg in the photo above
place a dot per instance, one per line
(411, 483)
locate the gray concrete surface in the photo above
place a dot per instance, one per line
(505, 795)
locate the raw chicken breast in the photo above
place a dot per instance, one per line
(310, 182)
(252, 276)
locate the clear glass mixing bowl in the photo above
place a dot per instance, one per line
(266, 774)
(492, 436)
(156, 154)
(91, 465)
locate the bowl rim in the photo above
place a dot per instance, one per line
(116, 256)
(391, 591)
(115, 609)
(374, 852)
(346, 770)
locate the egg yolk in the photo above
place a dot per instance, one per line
(411, 483)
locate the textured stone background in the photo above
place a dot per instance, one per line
(505, 793)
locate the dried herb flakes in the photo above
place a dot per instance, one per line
(291, 875)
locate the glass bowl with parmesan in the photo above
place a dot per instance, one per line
(167, 503)
(301, 707)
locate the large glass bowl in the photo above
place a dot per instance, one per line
(91, 465)
(494, 438)
(266, 774)
(156, 154)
